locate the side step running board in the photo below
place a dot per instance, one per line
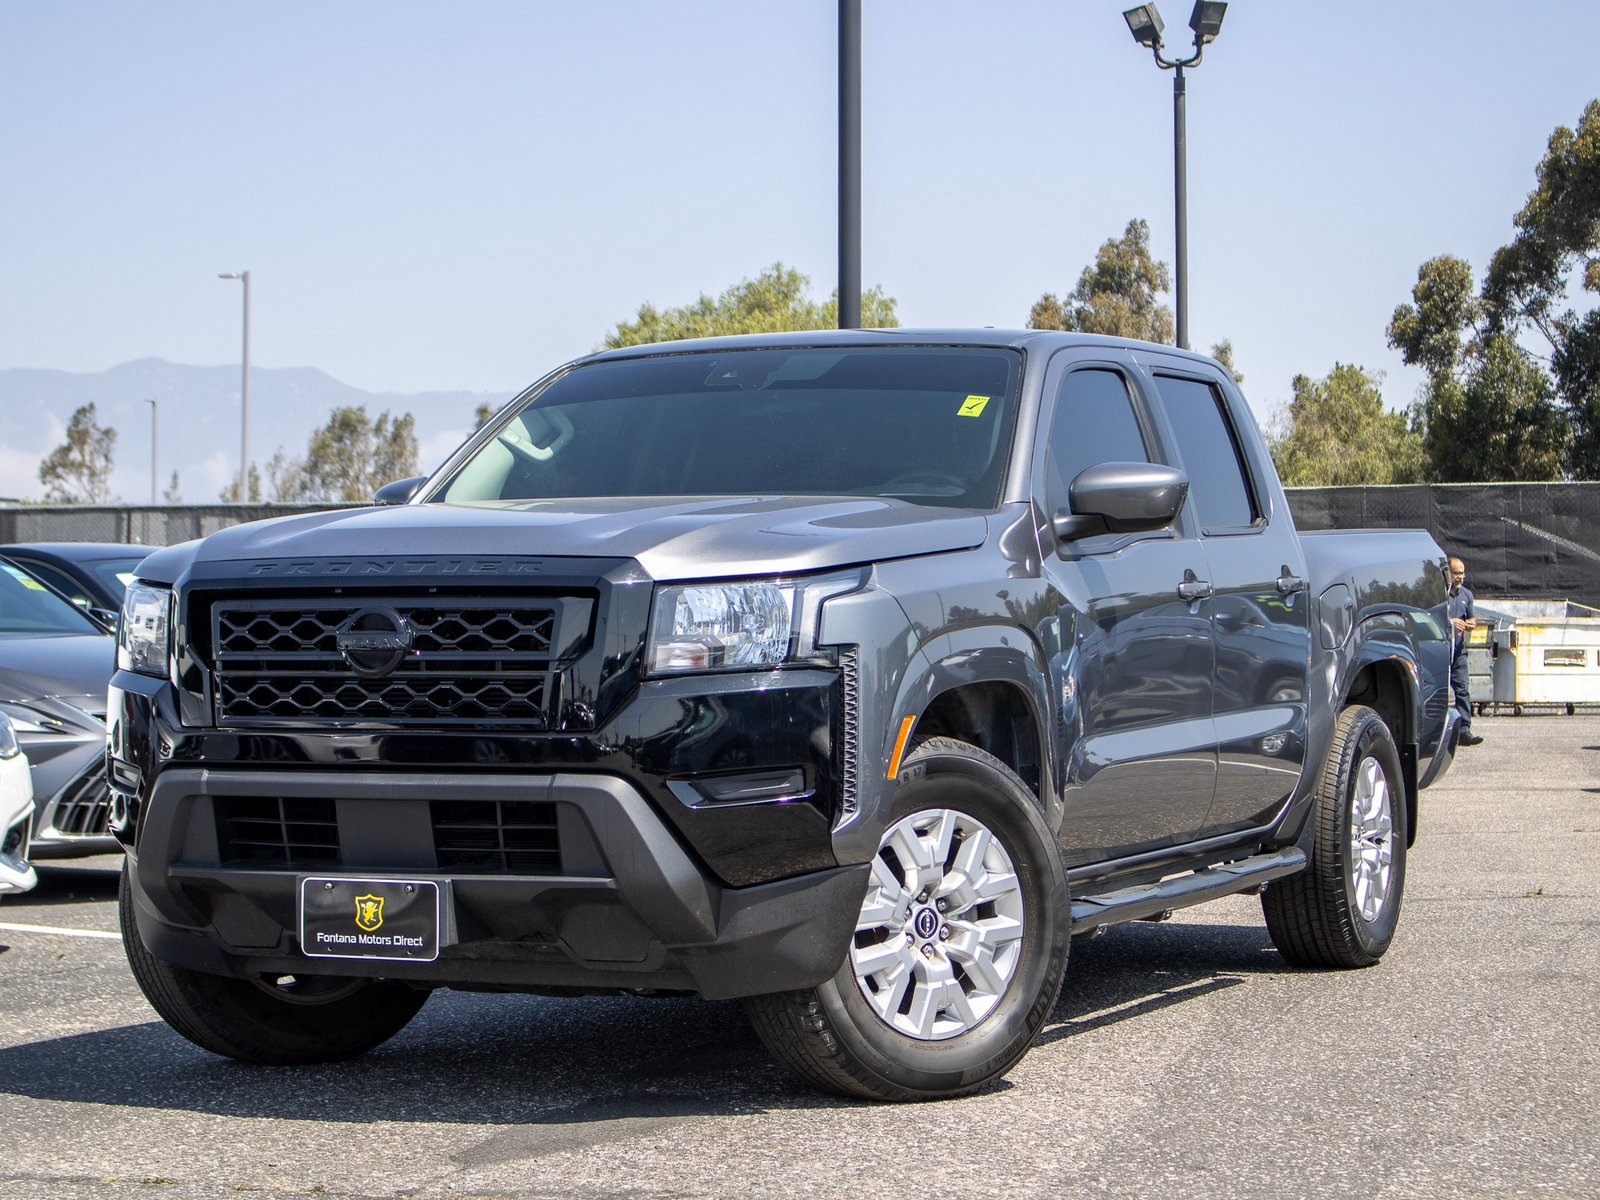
(1090, 913)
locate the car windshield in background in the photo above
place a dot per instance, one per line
(29, 609)
(114, 574)
(929, 425)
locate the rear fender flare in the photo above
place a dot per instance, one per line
(1381, 651)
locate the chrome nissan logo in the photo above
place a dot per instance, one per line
(374, 641)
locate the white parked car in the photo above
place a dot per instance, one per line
(16, 813)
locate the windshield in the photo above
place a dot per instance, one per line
(115, 574)
(929, 425)
(28, 608)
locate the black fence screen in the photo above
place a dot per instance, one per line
(1525, 540)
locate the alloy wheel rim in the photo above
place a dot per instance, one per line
(940, 935)
(1371, 839)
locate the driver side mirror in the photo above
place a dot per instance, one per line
(1121, 497)
(400, 491)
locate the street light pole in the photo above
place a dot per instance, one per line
(1145, 23)
(244, 391)
(849, 164)
(152, 405)
(1180, 196)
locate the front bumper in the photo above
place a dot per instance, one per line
(70, 788)
(614, 900)
(16, 820)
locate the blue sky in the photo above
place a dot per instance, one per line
(437, 196)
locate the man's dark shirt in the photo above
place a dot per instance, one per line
(1460, 608)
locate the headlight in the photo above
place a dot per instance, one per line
(144, 631)
(8, 738)
(745, 626)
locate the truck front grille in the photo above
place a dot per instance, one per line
(273, 831)
(470, 837)
(386, 662)
(510, 837)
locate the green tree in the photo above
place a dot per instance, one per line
(1335, 432)
(1223, 353)
(1558, 236)
(170, 494)
(1489, 411)
(775, 301)
(79, 470)
(1498, 419)
(349, 458)
(230, 494)
(1431, 332)
(1576, 365)
(1556, 252)
(481, 415)
(1116, 294)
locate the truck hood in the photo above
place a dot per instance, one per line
(678, 538)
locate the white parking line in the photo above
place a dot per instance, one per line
(89, 933)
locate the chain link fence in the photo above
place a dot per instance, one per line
(144, 525)
(1520, 540)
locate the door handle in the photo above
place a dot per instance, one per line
(1191, 590)
(1290, 584)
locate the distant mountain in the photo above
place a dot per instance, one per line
(197, 417)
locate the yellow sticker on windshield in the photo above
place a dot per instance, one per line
(22, 577)
(972, 406)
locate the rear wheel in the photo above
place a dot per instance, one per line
(1343, 909)
(279, 1020)
(959, 949)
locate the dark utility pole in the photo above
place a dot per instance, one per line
(1180, 187)
(849, 164)
(1145, 23)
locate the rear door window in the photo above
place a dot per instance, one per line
(1219, 486)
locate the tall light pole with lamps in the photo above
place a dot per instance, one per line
(1145, 24)
(152, 405)
(244, 391)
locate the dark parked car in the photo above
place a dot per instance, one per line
(55, 663)
(93, 575)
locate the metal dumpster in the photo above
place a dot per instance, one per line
(1541, 654)
(1481, 651)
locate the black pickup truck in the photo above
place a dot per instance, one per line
(853, 674)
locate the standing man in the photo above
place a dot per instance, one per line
(1462, 621)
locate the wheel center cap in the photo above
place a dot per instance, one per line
(925, 923)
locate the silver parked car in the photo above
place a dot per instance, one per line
(16, 813)
(55, 663)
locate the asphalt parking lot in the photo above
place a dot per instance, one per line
(1183, 1059)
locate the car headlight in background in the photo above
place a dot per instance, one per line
(8, 738)
(144, 631)
(740, 626)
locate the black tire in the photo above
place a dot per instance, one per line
(832, 1035)
(1343, 909)
(314, 1019)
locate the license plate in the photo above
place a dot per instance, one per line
(370, 918)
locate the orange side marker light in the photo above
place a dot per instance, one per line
(906, 723)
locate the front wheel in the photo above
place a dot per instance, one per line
(1342, 910)
(959, 949)
(278, 1020)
